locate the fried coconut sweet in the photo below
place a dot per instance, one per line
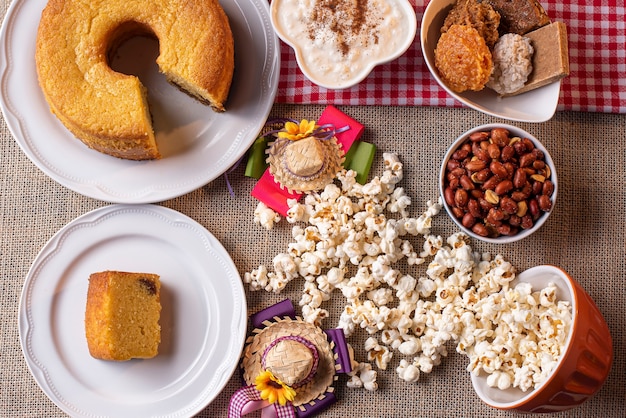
(463, 59)
(477, 14)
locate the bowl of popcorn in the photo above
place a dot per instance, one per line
(498, 183)
(337, 44)
(562, 344)
(499, 57)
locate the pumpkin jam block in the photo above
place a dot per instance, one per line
(122, 315)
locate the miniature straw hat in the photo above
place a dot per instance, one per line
(297, 353)
(305, 165)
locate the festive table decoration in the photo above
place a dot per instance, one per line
(289, 366)
(307, 155)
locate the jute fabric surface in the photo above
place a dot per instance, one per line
(585, 235)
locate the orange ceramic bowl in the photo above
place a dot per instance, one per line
(584, 365)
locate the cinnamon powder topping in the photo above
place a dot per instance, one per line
(344, 21)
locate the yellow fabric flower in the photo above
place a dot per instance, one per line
(272, 389)
(294, 132)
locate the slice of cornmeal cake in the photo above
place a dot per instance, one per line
(122, 315)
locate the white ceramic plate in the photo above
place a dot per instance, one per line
(198, 144)
(534, 106)
(203, 318)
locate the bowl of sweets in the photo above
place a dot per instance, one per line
(502, 58)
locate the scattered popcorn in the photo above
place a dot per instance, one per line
(363, 376)
(408, 372)
(355, 238)
(265, 216)
(380, 354)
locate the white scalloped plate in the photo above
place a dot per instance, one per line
(203, 318)
(198, 144)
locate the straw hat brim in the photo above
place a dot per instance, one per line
(279, 327)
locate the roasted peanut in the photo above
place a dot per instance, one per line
(492, 197)
(528, 144)
(515, 220)
(491, 183)
(494, 151)
(500, 136)
(537, 187)
(519, 147)
(548, 188)
(484, 204)
(508, 205)
(474, 208)
(475, 165)
(481, 176)
(498, 169)
(468, 220)
(460, 154)
(507, 153)
(466, 182)
(460, 197)
(479, 136)
(519, 178)
(448, 195)
(477, 193)
(533, 208)
(504, 187)
(504, 229)
(495, 215)
(539, 165)
(545, 204)
(480, 229)
(527, 160)
(458, 212)
(452, 164)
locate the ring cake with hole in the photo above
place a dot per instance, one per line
(108, 110)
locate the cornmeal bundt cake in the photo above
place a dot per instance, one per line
(108, 110)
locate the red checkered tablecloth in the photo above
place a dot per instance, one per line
(597, 53)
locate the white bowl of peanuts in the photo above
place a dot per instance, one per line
(498, 183)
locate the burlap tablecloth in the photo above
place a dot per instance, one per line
(585, 235)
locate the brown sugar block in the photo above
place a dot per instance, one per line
(550, 60)
(520, 16)
(122, 315)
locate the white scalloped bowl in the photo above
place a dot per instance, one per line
(537, 105)
(287, 21)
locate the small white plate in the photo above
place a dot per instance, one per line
(198, 144)
(534, 106)
(203, 318)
